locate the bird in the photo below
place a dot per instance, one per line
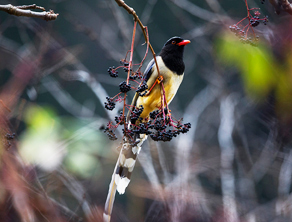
(171, 72)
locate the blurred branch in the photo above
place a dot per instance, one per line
(286, 6)
(121, 21)
(76, 189)
(265, 159)
(198, 11)
(148, 167)
(23, 11)
(183, 153)
(66, 100)
(282, 5)
(192, 113)
(285, 176)
(94, 85)
(227, 158)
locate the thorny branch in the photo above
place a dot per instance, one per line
(23, 11)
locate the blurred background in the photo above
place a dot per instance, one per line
(234, 164)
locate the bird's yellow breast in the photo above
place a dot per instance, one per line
(171, 82)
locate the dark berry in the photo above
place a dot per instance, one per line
(109, 132)
(112, 72)
(124, 87)
(142, 87)
(120, 119)
(109, 105)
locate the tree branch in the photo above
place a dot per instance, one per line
(131, 11)
(23, 11)
(286, 6)
(282, 5)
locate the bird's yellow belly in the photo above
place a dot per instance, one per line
(153, 101)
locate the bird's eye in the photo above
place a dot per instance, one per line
(173, 42)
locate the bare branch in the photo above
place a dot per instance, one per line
(282, 5)
(227, 147)
(23, 11)
(131, 11)
(286, 6)
(33, 6)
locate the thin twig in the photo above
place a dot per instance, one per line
(129, 68)
(131, 11)
(23, 11)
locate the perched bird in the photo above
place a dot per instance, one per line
(171, 69)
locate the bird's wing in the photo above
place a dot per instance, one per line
(148, 70)
(147, 78)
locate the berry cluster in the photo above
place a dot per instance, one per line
(126, 69)
(110, 104)
(160, 124)
(120, 119)
(124, 87)
(8, 138)
(156, 126)
(124, 62)
(135, 114)
(241, 34)
(109, 132)
(142, 87)
(253, 21)
(112, 72)
(134, 76)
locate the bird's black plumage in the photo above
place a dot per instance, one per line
(172, 55)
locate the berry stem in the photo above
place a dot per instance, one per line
(132, 51)
(249, 16)
(146, 30)
(129, 69)
(241, 20)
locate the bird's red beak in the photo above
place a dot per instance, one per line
(184, 42)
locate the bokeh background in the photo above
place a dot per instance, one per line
(233, 165)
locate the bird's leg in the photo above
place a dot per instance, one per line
(158, 80)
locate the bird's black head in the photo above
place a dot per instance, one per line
(172, 54)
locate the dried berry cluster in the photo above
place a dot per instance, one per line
(243, 33)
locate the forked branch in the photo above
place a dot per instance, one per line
(131, 11)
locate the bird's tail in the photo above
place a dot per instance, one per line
(122, 172)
